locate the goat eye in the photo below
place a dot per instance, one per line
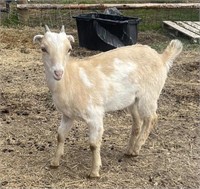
(70, 50)
(44, 49)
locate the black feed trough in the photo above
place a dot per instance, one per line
(105, 32)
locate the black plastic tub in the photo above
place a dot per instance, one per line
(104, 32)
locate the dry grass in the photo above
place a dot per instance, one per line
(169, 159)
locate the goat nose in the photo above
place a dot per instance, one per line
(58, 73)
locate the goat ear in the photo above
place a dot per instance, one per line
(38, 38)
(71, 38)
(62, 29)
(47, 28)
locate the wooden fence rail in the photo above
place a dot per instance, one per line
(103, 6)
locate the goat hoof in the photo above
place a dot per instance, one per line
(93, 175)
(54, 165)
(131, 154)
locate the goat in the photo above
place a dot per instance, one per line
(128, 77)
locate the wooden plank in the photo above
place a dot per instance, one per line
(3, 9)
(103, 6)
(188, 27)
(193, 24)
(198, 23)
(181, 29)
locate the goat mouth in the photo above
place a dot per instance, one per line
(58, 74)
(57, 78)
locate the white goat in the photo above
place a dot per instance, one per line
(131, 77)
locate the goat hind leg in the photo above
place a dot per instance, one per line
(148, 124)
(136, 128)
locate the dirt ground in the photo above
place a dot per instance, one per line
(29, 121)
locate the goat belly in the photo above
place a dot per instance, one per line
(121, 97)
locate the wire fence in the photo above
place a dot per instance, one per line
(151, 18)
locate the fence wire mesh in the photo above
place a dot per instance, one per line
(151, 18)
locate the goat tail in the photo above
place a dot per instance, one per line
(171, 52)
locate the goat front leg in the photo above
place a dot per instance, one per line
(63, 130)
(95, 138)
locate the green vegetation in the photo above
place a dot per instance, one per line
(151, 18)
(9, 20)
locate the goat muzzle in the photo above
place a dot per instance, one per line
(58, 74)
